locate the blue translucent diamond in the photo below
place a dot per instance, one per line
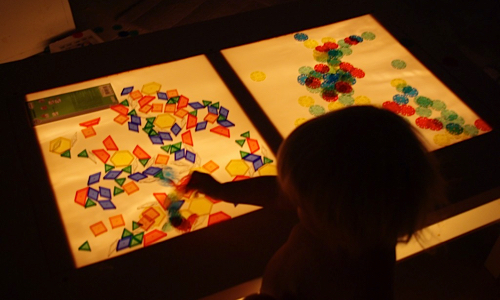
(123, 243)
(196, 105)
(162, 95)
(133, 127)
(176, 129)
(112, 174)
(137, 176)
(127, 90)
(190, 156)
(135, 119)
(94, 178)
(93, 194)
(201, 126)
(152, 171)
(105, 192)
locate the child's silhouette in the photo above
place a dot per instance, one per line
(360, 180)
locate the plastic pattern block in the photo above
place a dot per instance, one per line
(257, 164)
(170, 108)
(251, 157)
(201, 126)
(191, 121)
(175, 129)
(156, 139)
(152, 171)
(190, 156)
(162, 159)
(107, 204)
(109, 144)
(81, 196)
(136, 95)
(179, 154)
(196, 105)
(221, 130)
(135, 120)
(223, 111)
(116, 221)
(162, 95)
(121, 119)
(213, 110)
(123, 243)
(98, 228)
(105, 192)
(165, 136)
(140, 153)
(253, 145)
(130, 188)
(84, 153)
(121, 109)
(145, 100)
(163, 199)
(88, 132)
(153, 236)
(94, 178)
(92, 122)
(102, 155)
(127, 90)
(210, 166)
(187, 138)
(117, 191)
(137, 176)
(225, 123)
(85, 246)
(112, 174)
(217, 218)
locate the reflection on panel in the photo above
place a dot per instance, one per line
(355, 62)
(118, 150)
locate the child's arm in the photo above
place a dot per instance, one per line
(262, 191)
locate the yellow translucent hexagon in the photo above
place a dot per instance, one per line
(151, 88)
(164, 121)
(237, 167)
(268, 170)
(122, 158)
(200, 206)
(60, 145)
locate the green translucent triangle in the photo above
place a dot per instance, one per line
(246, 134)
(83, 154)
(243, 154)
(85, 246)
(194, 112)
(267, 160)
(108, 168)
(206, 102)
(144, 161)
(124, 102)
(165, 148)
(135, 225)
(175, 147)
(152, 132)
(120, 181)
(139, 237)
(127, 169)
(132, 113)
(240, 142)
(216, 105)
(170, 101)
(149, 125)
(221, 118)
(147, 130)
(173, 100)
(117, 190)
(66, 153)
(151, 119)
(160, 175)
(134, 242)
(126, 233)
(89, 203)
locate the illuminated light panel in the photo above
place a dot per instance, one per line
(157, 192)
(237, 167)
(333, 72)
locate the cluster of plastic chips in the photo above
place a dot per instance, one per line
(425, 109)
(332, 77)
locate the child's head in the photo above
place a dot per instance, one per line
(360, 174)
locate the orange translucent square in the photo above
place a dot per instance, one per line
(98, 228)
(157, 107)
(162, 159)
(172, 93)
(121, 119)
(136, 95)
(116, 221)
(211, 166)
(130, 187)
(211, 118)
(146, 108)
(150, 213)
(181, 113)
(88, 131)
(170, 108)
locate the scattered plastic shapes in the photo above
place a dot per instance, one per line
(172, 93)
(164, 121)
(157, 107)
(135, 120)
(136, 240)
(94, 178)
(183, 102)
(180, 154)
(116, 221)
(132, 113)
(135, 95)
(245, 134)
(153, 236)
(162, 159)
(89, 123)
(66, 153)
(146, 223)
(268, 170)
(98, 228)
(175, 129)
(162, 95)
(60, 145)
(146, 108)
(156, 139)
(196, 105)
(187, 138)
(170, 108)
(225, 123)
(165, 136)
(253, 145)
(130, 188)
(140, 153)
(89, 203)
(137, 176)
(200, 206)
(181, 113)
(144, 161)
(151, 88)
(85, 247)
(211, 117)
(122, 158)
(135, 225)
(163, 199)
(133, 127)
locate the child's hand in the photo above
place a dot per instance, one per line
(203, 183)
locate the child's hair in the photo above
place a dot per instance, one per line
(361, 174)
